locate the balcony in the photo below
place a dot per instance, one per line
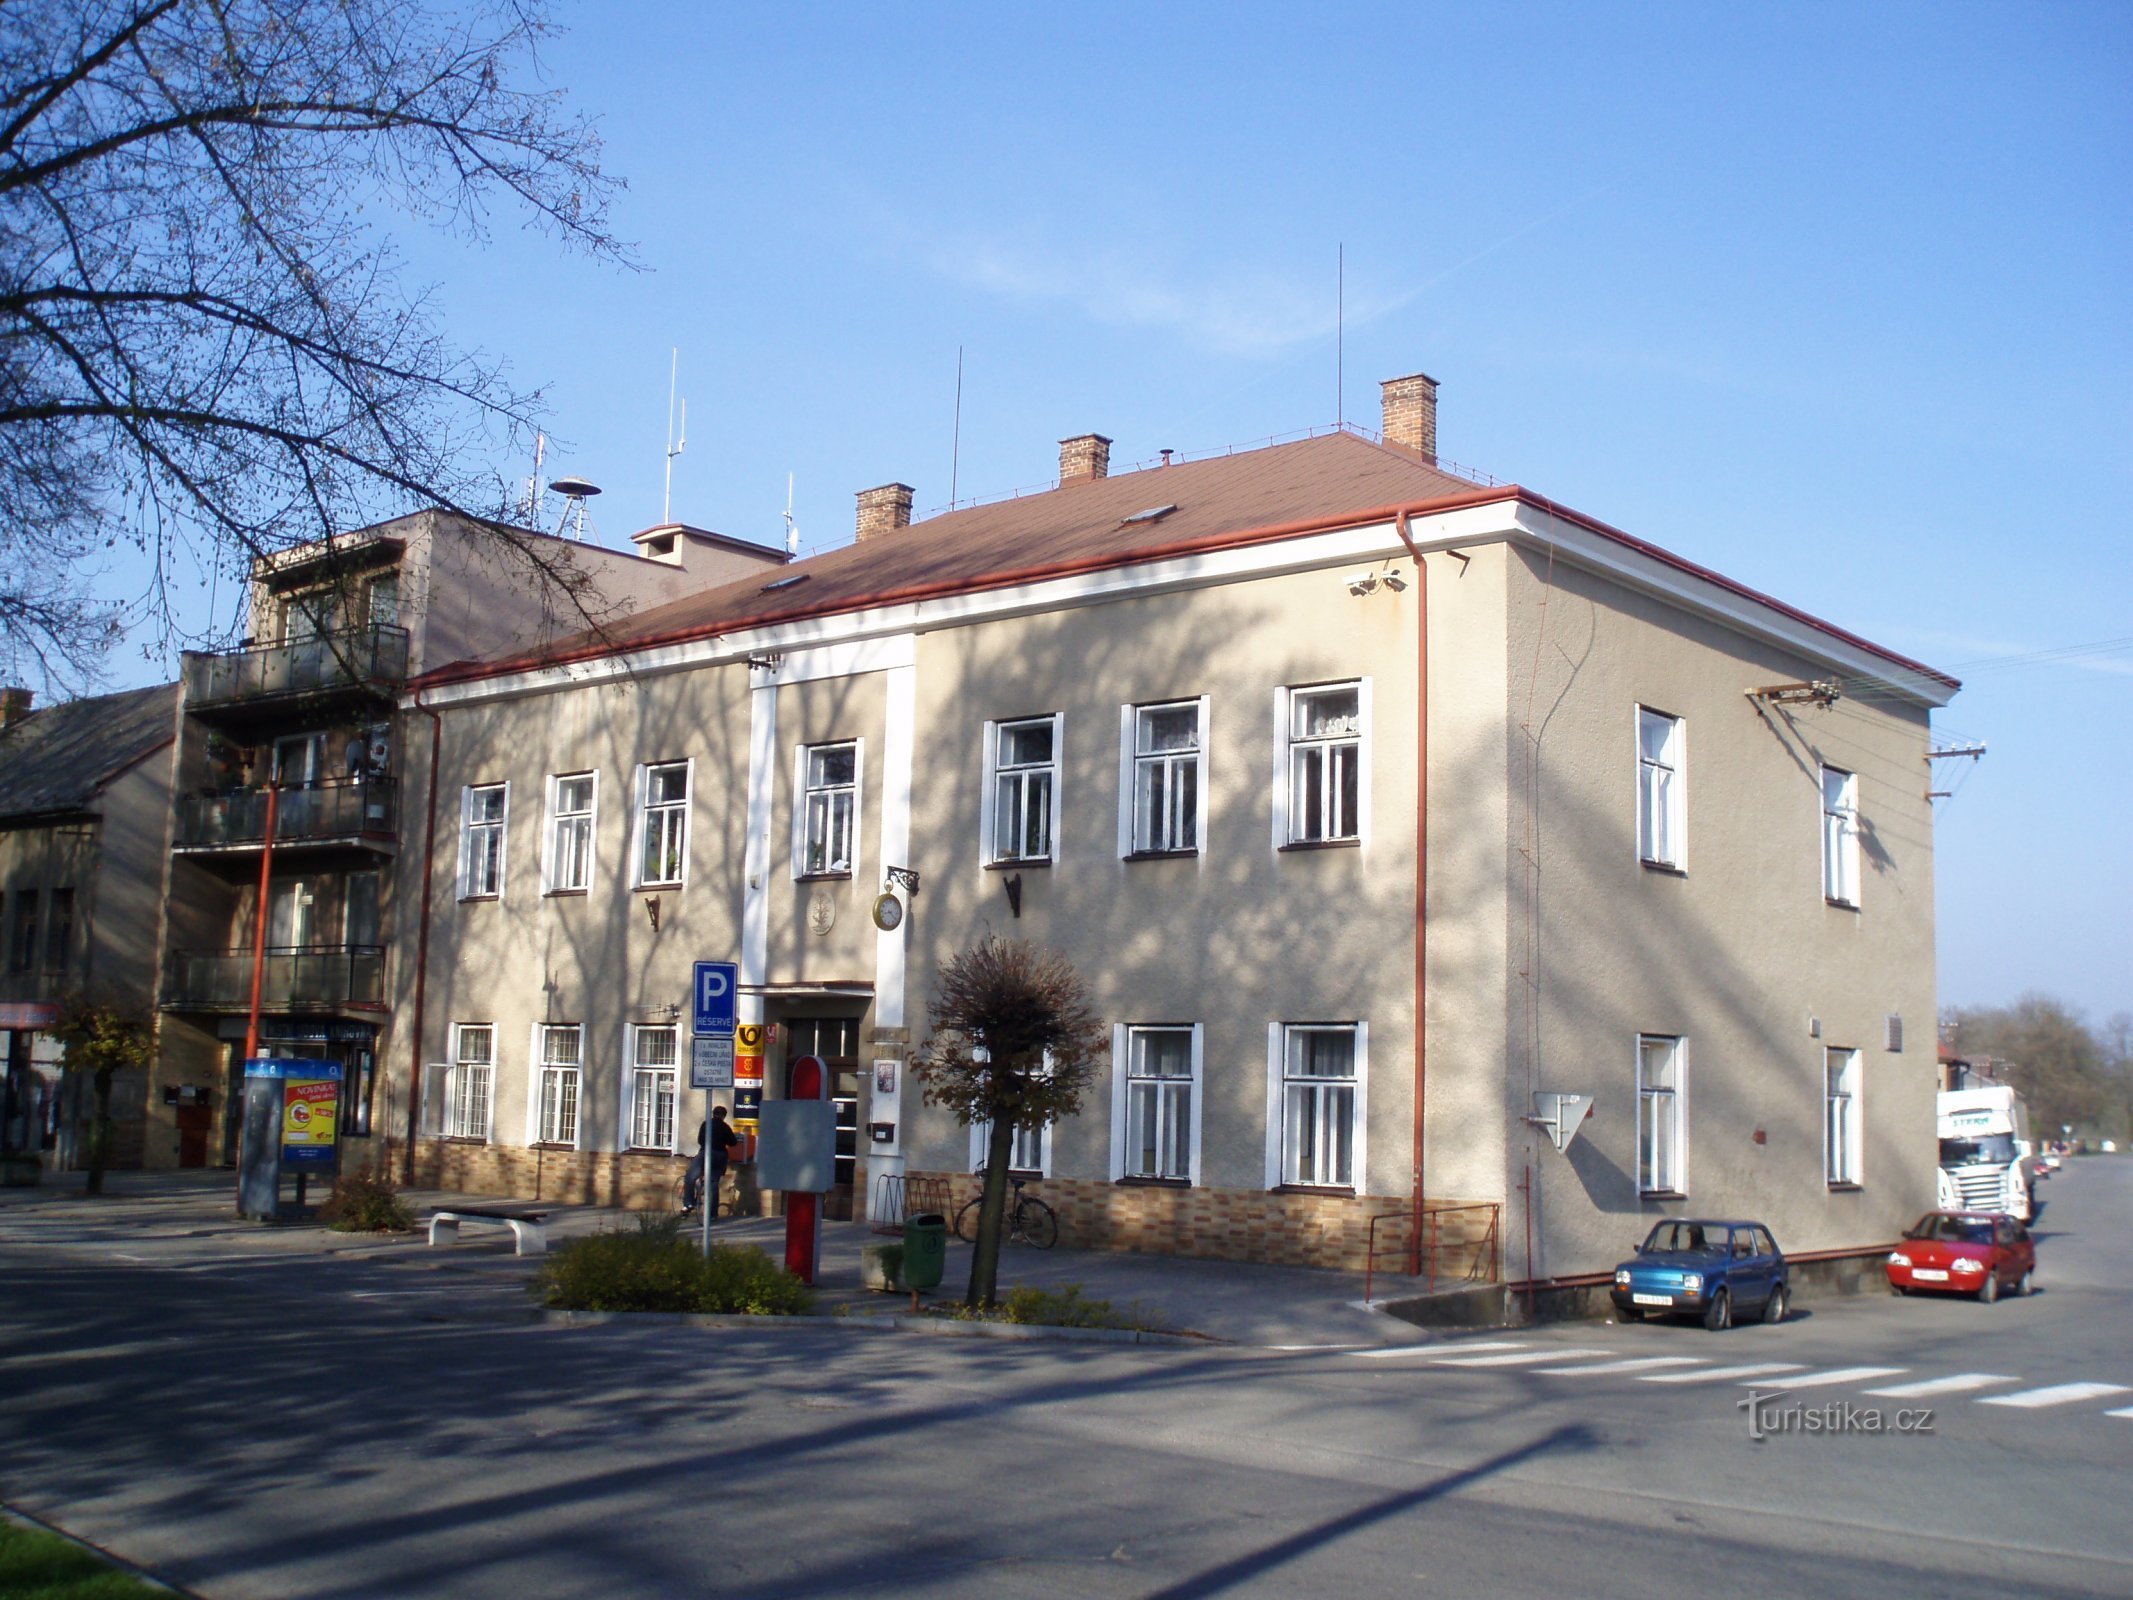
(353, 813)
(326, 977)
(362, 663)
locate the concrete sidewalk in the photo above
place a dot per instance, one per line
(190, 1213)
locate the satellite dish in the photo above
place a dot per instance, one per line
(574, 488)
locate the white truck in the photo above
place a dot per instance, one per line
(1985, 1152)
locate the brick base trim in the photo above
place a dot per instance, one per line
(641, 1180)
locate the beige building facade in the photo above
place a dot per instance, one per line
(1377, 807)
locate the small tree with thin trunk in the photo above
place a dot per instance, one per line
(1014, 1044)
(102, 1039)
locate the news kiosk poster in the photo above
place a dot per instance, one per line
(310, 1108)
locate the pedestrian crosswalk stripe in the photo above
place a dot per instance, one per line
(1522, 1358)
(1634, 1364)
(1437, 1350)
(1720, 1374)
(1816, 1380)
(2057, 1394)
(1960, 1383)
(2125, 1411)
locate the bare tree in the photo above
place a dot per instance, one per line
(206, 348)
(1014, 1044)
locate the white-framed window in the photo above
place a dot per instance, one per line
(483, 811)
(470, 1081)
(1028, 1155)
(1320, 763)
(1021, 818)
(1155, 1103)
(826, 821)
(663, 823)
(1317, 1070)
(1661, 1129)
(1661, 789)
(573, 802)
(652, 1087)
(560, 1057)
(1840, 1117)
(1840, 836)
(1163, 777)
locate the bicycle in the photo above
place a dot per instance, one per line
(1028, 1220)
(724, 1208)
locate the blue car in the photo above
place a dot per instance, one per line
(1720, 1271)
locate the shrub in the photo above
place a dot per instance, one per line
(1064, 1307)
(656, 1267)
(365, 1202)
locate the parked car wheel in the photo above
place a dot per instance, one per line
(1632, 1313)
(1989, 1290)
(1718, 1316)
(1899, 1288)
(1774, 1307)
(2027, 1283)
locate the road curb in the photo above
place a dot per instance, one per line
(23, 1519)
(934, 1327)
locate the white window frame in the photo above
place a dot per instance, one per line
(452, 1123)
(537, 1086)
(1843, 1125)
(553, 854)
(468, 890)
(1123, 1035)
(1277, 1077)
(800, 797)
(635, 1070)
(1662, 1116)
(981, 1140)
(642, 817)
(1129, 773)
(1840, 838)
(988, 816)
(1662, 792)
(1286, 745)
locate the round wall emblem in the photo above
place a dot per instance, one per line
(821, 913)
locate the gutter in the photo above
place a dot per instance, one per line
(422, 944)
(1414, 1231)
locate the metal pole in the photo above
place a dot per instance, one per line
(259, 927)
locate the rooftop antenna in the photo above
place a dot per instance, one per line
(792, 528)
(675, 446)
(955, 451)
(575, 491)
(1340, 335)
(536, 503)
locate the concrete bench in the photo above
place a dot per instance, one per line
(529, 1230)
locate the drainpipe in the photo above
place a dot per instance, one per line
(422, 947)
(1399, 522)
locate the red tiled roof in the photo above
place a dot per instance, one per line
(1252, 496)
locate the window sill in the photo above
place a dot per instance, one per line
(564, 894)
(1840, 905)
(1847, 1188)
(1300, 845)
(655, 888)
(822, 877)
(1665, 869)
(1017, 863)
(1131, 1182)
(459, 1138)
(641, 1150)
(1160, 855)
(551, 1144)
(1315, 1188)
(469, 899)
(1662, 1194)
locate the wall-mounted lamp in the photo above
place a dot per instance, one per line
(1012, 883)
(900, 878)
(651, 911)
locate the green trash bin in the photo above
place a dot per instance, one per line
(925, 1250)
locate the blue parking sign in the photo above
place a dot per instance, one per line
(716, 993)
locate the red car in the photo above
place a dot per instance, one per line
(1969, 1252)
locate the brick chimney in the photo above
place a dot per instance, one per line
(1083, 457)
(14, 706)
(884, 510)
(1411, 414)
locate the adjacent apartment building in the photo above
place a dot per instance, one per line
(291, 810)
(1379, 807)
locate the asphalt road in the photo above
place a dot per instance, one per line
(250, 1422)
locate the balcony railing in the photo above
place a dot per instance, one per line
(310, 976)
(300, 666)
(345, 808)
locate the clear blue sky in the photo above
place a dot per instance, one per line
(1832, 298)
